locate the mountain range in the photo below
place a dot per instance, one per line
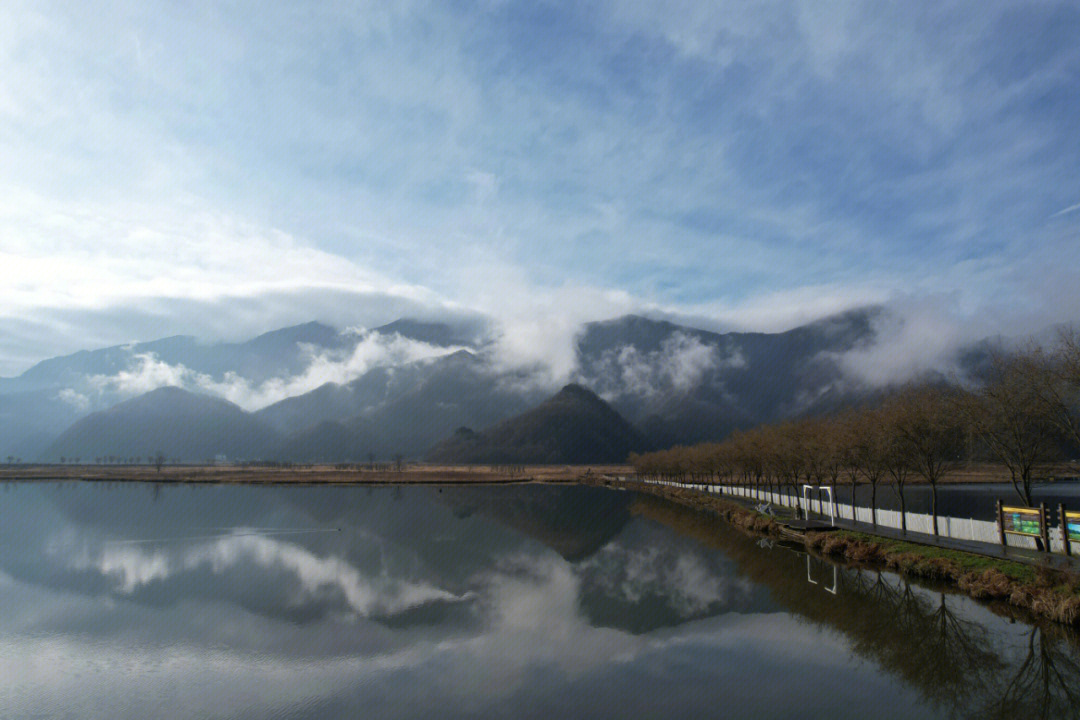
(423, 389)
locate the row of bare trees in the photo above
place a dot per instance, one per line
(1024, 413)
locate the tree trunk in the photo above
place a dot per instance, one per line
(903, 508)
(873, 502)
(933, 505)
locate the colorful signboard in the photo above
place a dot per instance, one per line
(1072, 523)
(1025, 521)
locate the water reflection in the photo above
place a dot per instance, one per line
(964, 660)
(136, 601)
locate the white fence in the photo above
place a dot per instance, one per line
(951, 527)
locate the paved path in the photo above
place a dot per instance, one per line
(1023, 555)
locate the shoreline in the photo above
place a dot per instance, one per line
(418, 473)
(352, 474)
(1046, 593)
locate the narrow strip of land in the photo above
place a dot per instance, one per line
(360, 474)
(823, 521)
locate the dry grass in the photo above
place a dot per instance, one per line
(1052, 594)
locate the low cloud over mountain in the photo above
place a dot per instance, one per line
(318, 394)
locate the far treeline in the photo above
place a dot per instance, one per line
(1023, 412)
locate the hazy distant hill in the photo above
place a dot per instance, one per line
(575, 426)
(676, 384)
(334, 402)
(30, 420)
(332, 442)
(681, 384)
(272, 354)
(36, 406)
(462, 333)
(176, 422)
(403, 410)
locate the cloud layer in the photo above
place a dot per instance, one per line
(175, 169)
(146, 372)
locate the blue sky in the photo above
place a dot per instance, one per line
(226, 169)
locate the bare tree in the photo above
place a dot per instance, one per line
(1009, 414)
(868, 450)
(931, 433)
(1059, 385)
(785, 458)
(896, 456)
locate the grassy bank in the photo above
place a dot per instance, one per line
(1046, 593)
(1051, 594)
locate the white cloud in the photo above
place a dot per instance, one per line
(680, 364)
(70, 254)
(538, 327)
(138, 175)
(1066, 211)
(147, 372)
(926, 333)
(73, 398)
(780, 310)
(907, 346)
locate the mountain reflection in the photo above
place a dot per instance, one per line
(330, 601)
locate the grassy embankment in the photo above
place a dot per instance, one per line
(1051, 594)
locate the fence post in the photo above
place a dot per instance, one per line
(1064, 529)
(1045, 517)
(1000, 523)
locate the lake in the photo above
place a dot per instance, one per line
(964, 500)
(149, 600)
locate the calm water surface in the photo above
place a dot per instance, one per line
(967, 500)
(137, 601)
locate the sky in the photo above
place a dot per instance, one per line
(224, 169)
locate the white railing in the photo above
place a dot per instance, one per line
(949, 527)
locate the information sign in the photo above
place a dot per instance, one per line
(1025, 521)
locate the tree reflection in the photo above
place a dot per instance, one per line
(1045, 685)
(956, 656)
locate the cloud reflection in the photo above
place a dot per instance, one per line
(132, 567)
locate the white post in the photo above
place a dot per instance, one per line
(806, 493)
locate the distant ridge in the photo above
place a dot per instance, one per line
(178, 423)
(575, 426)
(391, 411)
(434, 333)
(674, 384)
